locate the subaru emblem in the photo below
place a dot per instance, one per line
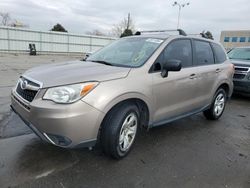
(24, 84)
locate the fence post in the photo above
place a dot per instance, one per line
(68, 44)
(40, 41)
(90, 44)
(8, 39)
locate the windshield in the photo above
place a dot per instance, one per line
(128, 52)
(239, 53)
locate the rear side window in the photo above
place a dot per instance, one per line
(180, 50)
(203, 53)
(219, 53)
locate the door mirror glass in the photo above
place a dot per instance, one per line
(170, 65)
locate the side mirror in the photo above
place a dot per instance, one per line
(170, 65)
(85, 56)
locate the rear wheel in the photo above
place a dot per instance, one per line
(119, 130)
(218, 105)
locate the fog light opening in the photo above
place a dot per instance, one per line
(57, 139)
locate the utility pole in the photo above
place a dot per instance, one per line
(180, 6)
(128, 21)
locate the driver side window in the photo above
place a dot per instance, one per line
(178, 50)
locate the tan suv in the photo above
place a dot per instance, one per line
(136, 82)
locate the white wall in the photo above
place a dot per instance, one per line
(18, 39)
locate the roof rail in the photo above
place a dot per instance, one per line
(181, 32)
(203, 35)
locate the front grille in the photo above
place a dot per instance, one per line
(241, 69)
(239, 76)
(26, 94)
(27, 89)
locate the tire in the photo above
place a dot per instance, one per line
(218, 105)
(119, 130)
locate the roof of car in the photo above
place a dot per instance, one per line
(159, 36)
(166, 36)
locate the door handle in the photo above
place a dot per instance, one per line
(218, 70)
(192, 76)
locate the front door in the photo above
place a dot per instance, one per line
(176, 94)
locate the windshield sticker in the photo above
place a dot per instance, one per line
(158, 41)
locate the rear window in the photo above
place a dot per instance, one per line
(220, 55)
(203, 52)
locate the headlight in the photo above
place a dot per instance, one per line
(69, 93)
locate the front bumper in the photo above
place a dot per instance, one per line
(64, 125)
(242, 86)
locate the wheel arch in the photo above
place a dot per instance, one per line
(224, 84)
(226, 87)
(142, 104)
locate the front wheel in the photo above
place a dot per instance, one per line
(218, 105)
(119, 130)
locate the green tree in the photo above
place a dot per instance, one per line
(209, 35)
(127, 32)
(58, 27)
(96, 32)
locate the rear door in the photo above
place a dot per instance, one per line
(204, 60)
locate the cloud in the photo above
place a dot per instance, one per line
(80, 16)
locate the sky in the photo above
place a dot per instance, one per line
(81, 16)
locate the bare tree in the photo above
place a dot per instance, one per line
(7, 21)
(16, 23)
(126, 23)
(96, 32)
(5, 18)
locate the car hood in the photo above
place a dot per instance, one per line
(241, 63)
(74, 72)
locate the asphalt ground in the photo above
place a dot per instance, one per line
(192, 152)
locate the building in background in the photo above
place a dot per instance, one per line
(232, 39)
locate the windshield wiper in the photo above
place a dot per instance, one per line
(102, 62)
